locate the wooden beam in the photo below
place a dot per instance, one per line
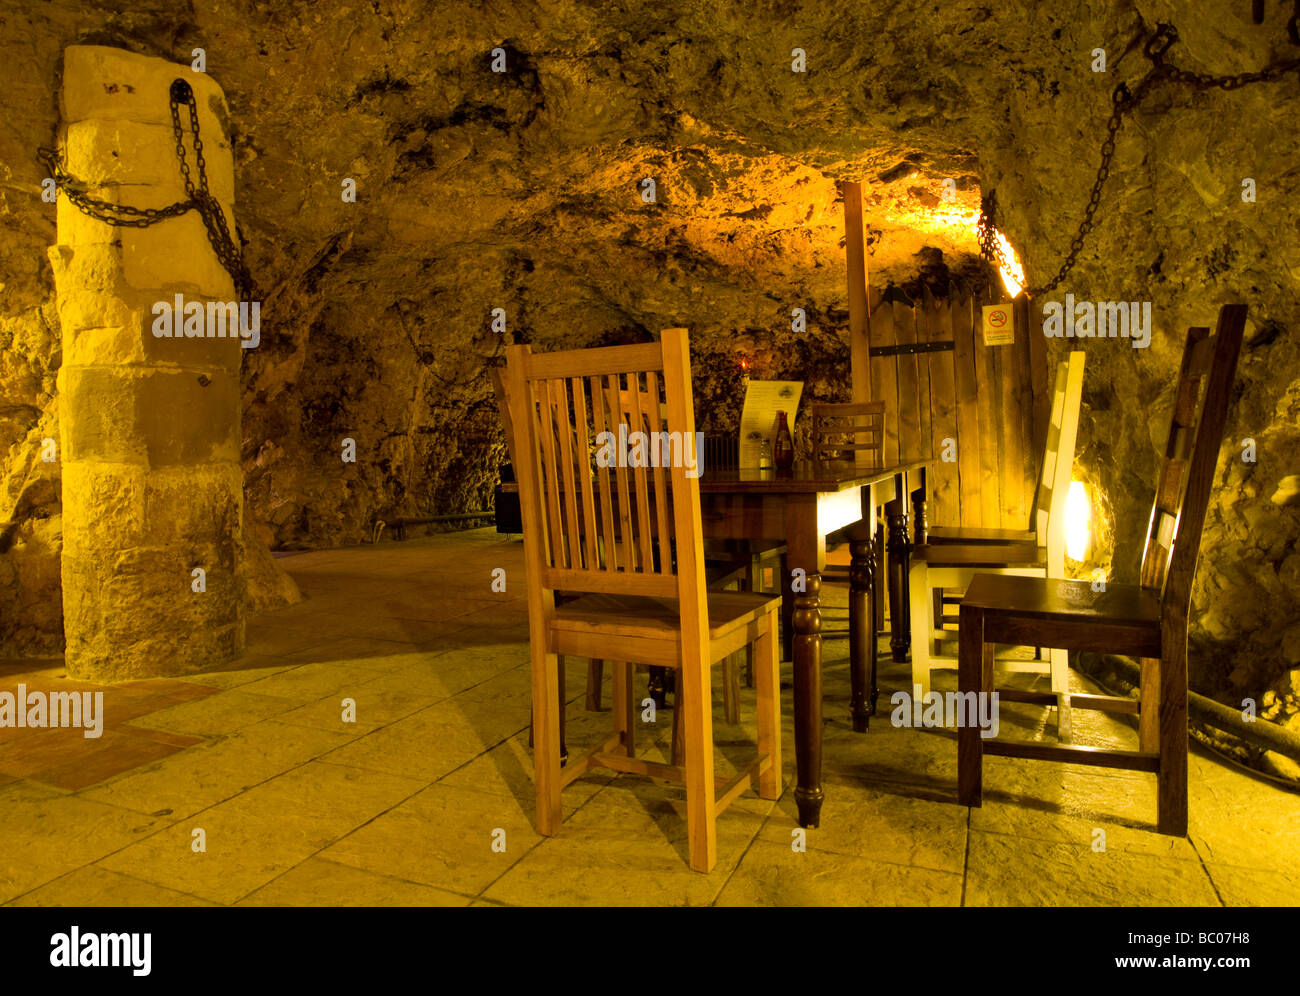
(859, 319)
(1133, 760)
(1103, 703)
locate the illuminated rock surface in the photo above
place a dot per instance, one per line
(477, 190)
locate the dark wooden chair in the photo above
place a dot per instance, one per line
(842, 432)
(1147, 620)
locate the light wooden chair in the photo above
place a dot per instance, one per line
(937, 569)
(1147, 620)
(720, 572)
(643, 608)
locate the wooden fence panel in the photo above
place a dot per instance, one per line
(884, 376)
(909, 401)
(939, 381)
(971, 507)
(945, 498)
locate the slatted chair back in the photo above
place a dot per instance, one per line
(854, 431)
(1204, 388)
(1058, 462)
(581, 493)
(497, 375)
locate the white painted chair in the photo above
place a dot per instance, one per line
(938, 568)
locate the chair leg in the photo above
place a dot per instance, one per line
(974, 674)
(657, 684)
(787, 613)
(1149, 705)
(546, 749)
(677, 751)
(730, 689)
(694, 695)
(882, 572)
(754, 584)
(1060, 663)
(623, 707)
(595, 678)
(768, 681)
(564, 750)
(922, 627)
(1171, 782)
(560, 684)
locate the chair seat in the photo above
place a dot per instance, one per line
(976, 555)
(978, 534)
(634, 615)
(1122, 619)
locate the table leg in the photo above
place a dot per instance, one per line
(919, 525)
(899, 608)
(862, 632)
(803, 544)
(863, 621)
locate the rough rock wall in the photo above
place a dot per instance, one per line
(521, 190)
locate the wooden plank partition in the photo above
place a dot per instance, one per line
(939, 381)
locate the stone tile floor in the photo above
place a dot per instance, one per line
(402, 806)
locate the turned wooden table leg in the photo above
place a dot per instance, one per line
(862, 632)
(919, 498)
(900, 638)
(808, 701)
(805, 553)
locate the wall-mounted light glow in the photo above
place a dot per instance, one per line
(1078, 521)
(1013, 274)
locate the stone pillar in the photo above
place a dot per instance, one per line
(152, 485)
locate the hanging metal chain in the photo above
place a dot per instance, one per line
(199, 198)
(1124, 101)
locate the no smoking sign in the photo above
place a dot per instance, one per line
(998, 328)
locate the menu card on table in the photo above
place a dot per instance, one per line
(758, 419)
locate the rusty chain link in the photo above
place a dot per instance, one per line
(198, 197)
(1124, 101)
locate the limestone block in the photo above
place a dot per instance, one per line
(76, 228)
(183, 504)
(175, 256)
(101, 152)
(88, 281)
(153, 416)
(133, 341)
(102, 501)
(137, 615)
(196, 353)
(104, 82)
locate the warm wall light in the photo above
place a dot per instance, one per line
(1013, 274)
(1078, 521)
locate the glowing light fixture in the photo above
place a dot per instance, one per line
(1078, 521)
(1013, 274)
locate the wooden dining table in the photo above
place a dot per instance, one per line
(800, 507)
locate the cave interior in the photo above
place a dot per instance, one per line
(267, 269)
